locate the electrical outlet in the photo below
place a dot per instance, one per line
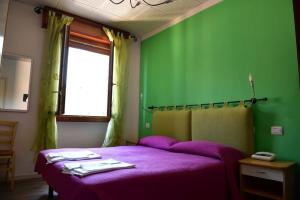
(276, 130)
(147, 125)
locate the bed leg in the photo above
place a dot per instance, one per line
(50, 192)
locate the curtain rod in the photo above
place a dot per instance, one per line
(39, 9)
(252, 101)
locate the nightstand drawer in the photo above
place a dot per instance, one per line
(261, 172)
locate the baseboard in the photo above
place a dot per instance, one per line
(22, 177)
(27, 176)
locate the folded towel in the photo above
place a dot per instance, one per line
(71, 155)
(91, 167)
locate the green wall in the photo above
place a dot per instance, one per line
(207, 58)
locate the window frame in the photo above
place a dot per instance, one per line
(60, 116)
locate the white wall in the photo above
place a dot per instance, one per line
(3, 15)
(24, 36)
(131, 117)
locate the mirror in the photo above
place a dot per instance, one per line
(14, 83)
(3, 17)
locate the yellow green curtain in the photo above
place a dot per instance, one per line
(120, 68)
(46, 136)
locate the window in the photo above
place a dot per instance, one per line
(87, 82)
(86, 74)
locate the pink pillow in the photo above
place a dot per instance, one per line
(159, 142)
(230, 156)
(204, 148)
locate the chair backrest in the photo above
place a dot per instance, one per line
(7, 134)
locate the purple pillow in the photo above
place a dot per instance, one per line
(159, 142)
(204, 148)
(230, 156)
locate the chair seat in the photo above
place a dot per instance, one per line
(6, 153)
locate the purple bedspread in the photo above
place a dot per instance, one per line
(158, 175)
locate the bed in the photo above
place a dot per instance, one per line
(165, 168)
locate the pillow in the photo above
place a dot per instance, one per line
(228, 155)
(159, 142)
(204, 148)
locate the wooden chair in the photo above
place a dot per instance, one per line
(7, 154)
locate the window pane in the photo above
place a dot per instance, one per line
(87, 83)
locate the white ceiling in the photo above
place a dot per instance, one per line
(140, 21)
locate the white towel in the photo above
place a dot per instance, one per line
(91, 167)
(71, 155)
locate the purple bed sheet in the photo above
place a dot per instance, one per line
(159, 175)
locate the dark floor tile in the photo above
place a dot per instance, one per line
(33, 189)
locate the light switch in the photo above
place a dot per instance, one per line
(277, 130)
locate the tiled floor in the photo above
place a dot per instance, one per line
(33, 189)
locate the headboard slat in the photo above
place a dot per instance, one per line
(172, 123)
(231, 126)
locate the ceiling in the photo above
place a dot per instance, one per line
(140, 21)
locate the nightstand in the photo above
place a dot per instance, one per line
(265, 180)
(130, 143)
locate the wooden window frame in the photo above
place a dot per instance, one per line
(63, 80)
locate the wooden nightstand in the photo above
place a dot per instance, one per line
(265, 180)
(130, 143)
